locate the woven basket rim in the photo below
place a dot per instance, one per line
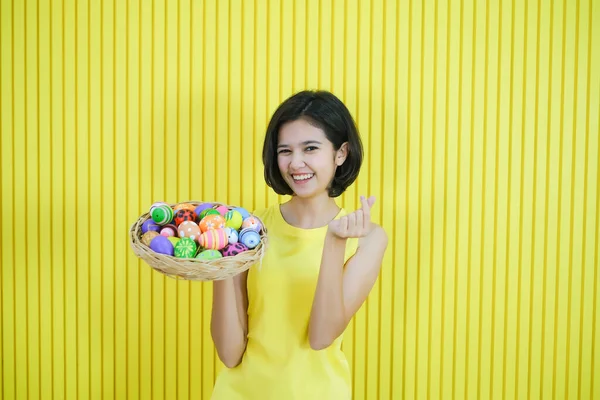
(193, 268)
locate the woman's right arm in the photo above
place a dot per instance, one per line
(229, 320)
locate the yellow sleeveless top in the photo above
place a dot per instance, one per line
(278, 362)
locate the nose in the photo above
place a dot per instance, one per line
(297, 161)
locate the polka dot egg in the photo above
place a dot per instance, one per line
(209, 255)
(189, 229)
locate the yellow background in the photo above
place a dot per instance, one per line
(481, 124)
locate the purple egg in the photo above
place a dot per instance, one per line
(161, 244)
(201, 208)
(150, 225)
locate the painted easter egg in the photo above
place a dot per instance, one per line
(233, 219)
(209, 255)
(209, 211)
(150, 225)
(184, 206)
(168, 231)
(222, 210)
(212, 222)
(214, 239)
(233, 249)
(243, 211)
(252, 223)
(185, 248)
(232, 235)
(189, 229)
(249, 237)
(157, 204)
(184, 215)
(148, 236)
(201, 207)
(162, 215)
(161, 244)
(174, 240)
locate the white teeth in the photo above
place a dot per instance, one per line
(302, 177)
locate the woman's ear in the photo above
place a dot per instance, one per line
(341, 154)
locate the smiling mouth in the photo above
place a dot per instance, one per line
(302, 178)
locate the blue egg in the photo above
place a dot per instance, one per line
(232, 235)
(249, 237)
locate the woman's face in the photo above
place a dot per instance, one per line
(306, 158)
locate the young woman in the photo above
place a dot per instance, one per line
(278, 327)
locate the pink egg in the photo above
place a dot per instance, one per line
(214, 239)
(167, 231)
(222, 210)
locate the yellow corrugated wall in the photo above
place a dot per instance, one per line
(481, 124)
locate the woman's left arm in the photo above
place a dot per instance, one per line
(342, 289)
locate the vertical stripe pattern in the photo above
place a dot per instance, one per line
(481, 124)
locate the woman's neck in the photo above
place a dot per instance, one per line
(309, 213)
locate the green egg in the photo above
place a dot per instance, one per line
(208, 211)
(209, 255)
(185, 248)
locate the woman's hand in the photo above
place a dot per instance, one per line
(356, 224)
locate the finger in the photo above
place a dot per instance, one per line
(359, 220)
(343, 224)
(366, 208)
(364, 203)
(371, 201)
(352, 222)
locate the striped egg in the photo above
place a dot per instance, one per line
(214, 239)
(162, 215)
(249, 237)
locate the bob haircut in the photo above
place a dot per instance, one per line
(325, 111)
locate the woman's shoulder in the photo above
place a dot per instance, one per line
(265, 212)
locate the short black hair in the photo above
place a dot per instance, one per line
(327, 112)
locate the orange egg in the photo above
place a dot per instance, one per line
(184, 206)
(212, 221)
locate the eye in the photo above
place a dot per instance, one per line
(282, 151)
(311, 148)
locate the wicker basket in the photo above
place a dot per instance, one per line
(194, 269)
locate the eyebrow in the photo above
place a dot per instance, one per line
(303, 143)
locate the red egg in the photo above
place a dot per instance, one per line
(184, 215)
